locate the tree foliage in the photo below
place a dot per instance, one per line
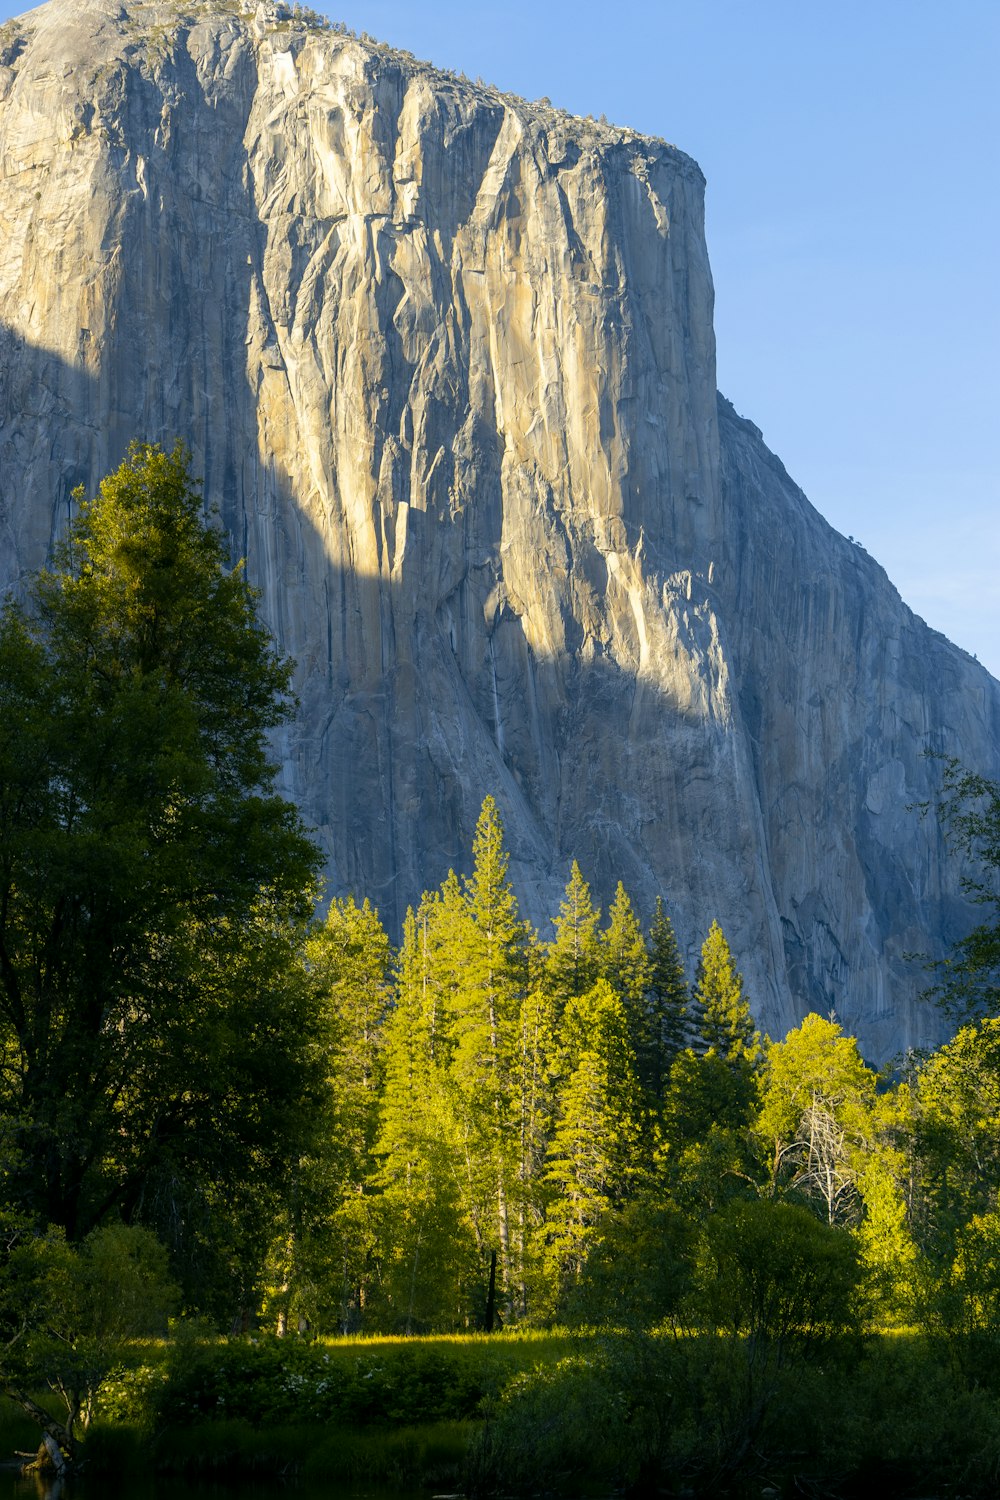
(968, 980)
(153, 885)
(816, 1115)
(68, 1313)
(721, 1010)
(480, 1127)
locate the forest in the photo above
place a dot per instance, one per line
(222, 1111)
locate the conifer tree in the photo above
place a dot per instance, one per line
(536, 1105)
(324, 1244)
(426, 1242)
(349, 958)
(154, 888)
(479, 946)
(592, 1153)
(669, 999)
(573, 958)
(722, 1012)
(625, 964)
(711, 1094)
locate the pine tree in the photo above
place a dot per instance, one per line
(349, 958)
(536, 1105)
(724, 1022)
(426, 1243)
(592, 1153)
(573, 958)
(321, 1252)
(669, 999)
(153, 885)
(625, 964)
(476, 969)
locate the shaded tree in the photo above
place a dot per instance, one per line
(153, 886)
(669, 999)
(67, 1315)
(427, 1246)
(625, 964)
(326, 1238)
(967, 982)
(592, 1156)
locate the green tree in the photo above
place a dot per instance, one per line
(890, 1261)
(625, 964)
(67, 1315)
(428, 1254)
(968, 980)
(711, 1095)
(639, 1273)
(536, 1105)
(489, 944)
(593, 1149)
(962, 1300)
(669, 999)
(816, 1116)
(956, 1123)
(774, 1274)
(325, 1243)
(573, 957)
(722, 1013)
(781, 1284)
(709, 1104)
(153, 886)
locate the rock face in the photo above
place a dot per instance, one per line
(445, 360)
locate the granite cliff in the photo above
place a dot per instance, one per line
(446, 363)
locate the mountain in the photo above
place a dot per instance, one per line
(446, 363)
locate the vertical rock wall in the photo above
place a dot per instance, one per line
(446, 364)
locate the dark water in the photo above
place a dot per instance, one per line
(14, 1486)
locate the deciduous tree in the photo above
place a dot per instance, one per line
(153, 885)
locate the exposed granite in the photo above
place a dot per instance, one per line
(446, 363)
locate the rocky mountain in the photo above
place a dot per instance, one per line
(445, 360)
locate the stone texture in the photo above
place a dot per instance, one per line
(446, 363)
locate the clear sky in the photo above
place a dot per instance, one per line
(852, 151)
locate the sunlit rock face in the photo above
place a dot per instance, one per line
(445, 361)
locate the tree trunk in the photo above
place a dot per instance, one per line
(491, 1294)
(57, 1440)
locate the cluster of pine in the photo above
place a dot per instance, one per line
(484, 1126)
(526, 1130)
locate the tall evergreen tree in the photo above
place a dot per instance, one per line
(669, 999)
(349, 959)
(536, 1103)
(722, 1012)
(474, 957)
(592, 1152)
(491, 940)
(711, 1093)
(427, 1249)
(625, 964)
(573, 957)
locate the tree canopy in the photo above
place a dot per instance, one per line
(152, 882)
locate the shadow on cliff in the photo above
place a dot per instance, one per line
(420, 693)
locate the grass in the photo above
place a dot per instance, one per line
(524, 1412)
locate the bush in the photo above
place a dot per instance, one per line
(773, 1273)
(275, 1381)
(551, 1427)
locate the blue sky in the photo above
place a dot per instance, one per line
(851, 151)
